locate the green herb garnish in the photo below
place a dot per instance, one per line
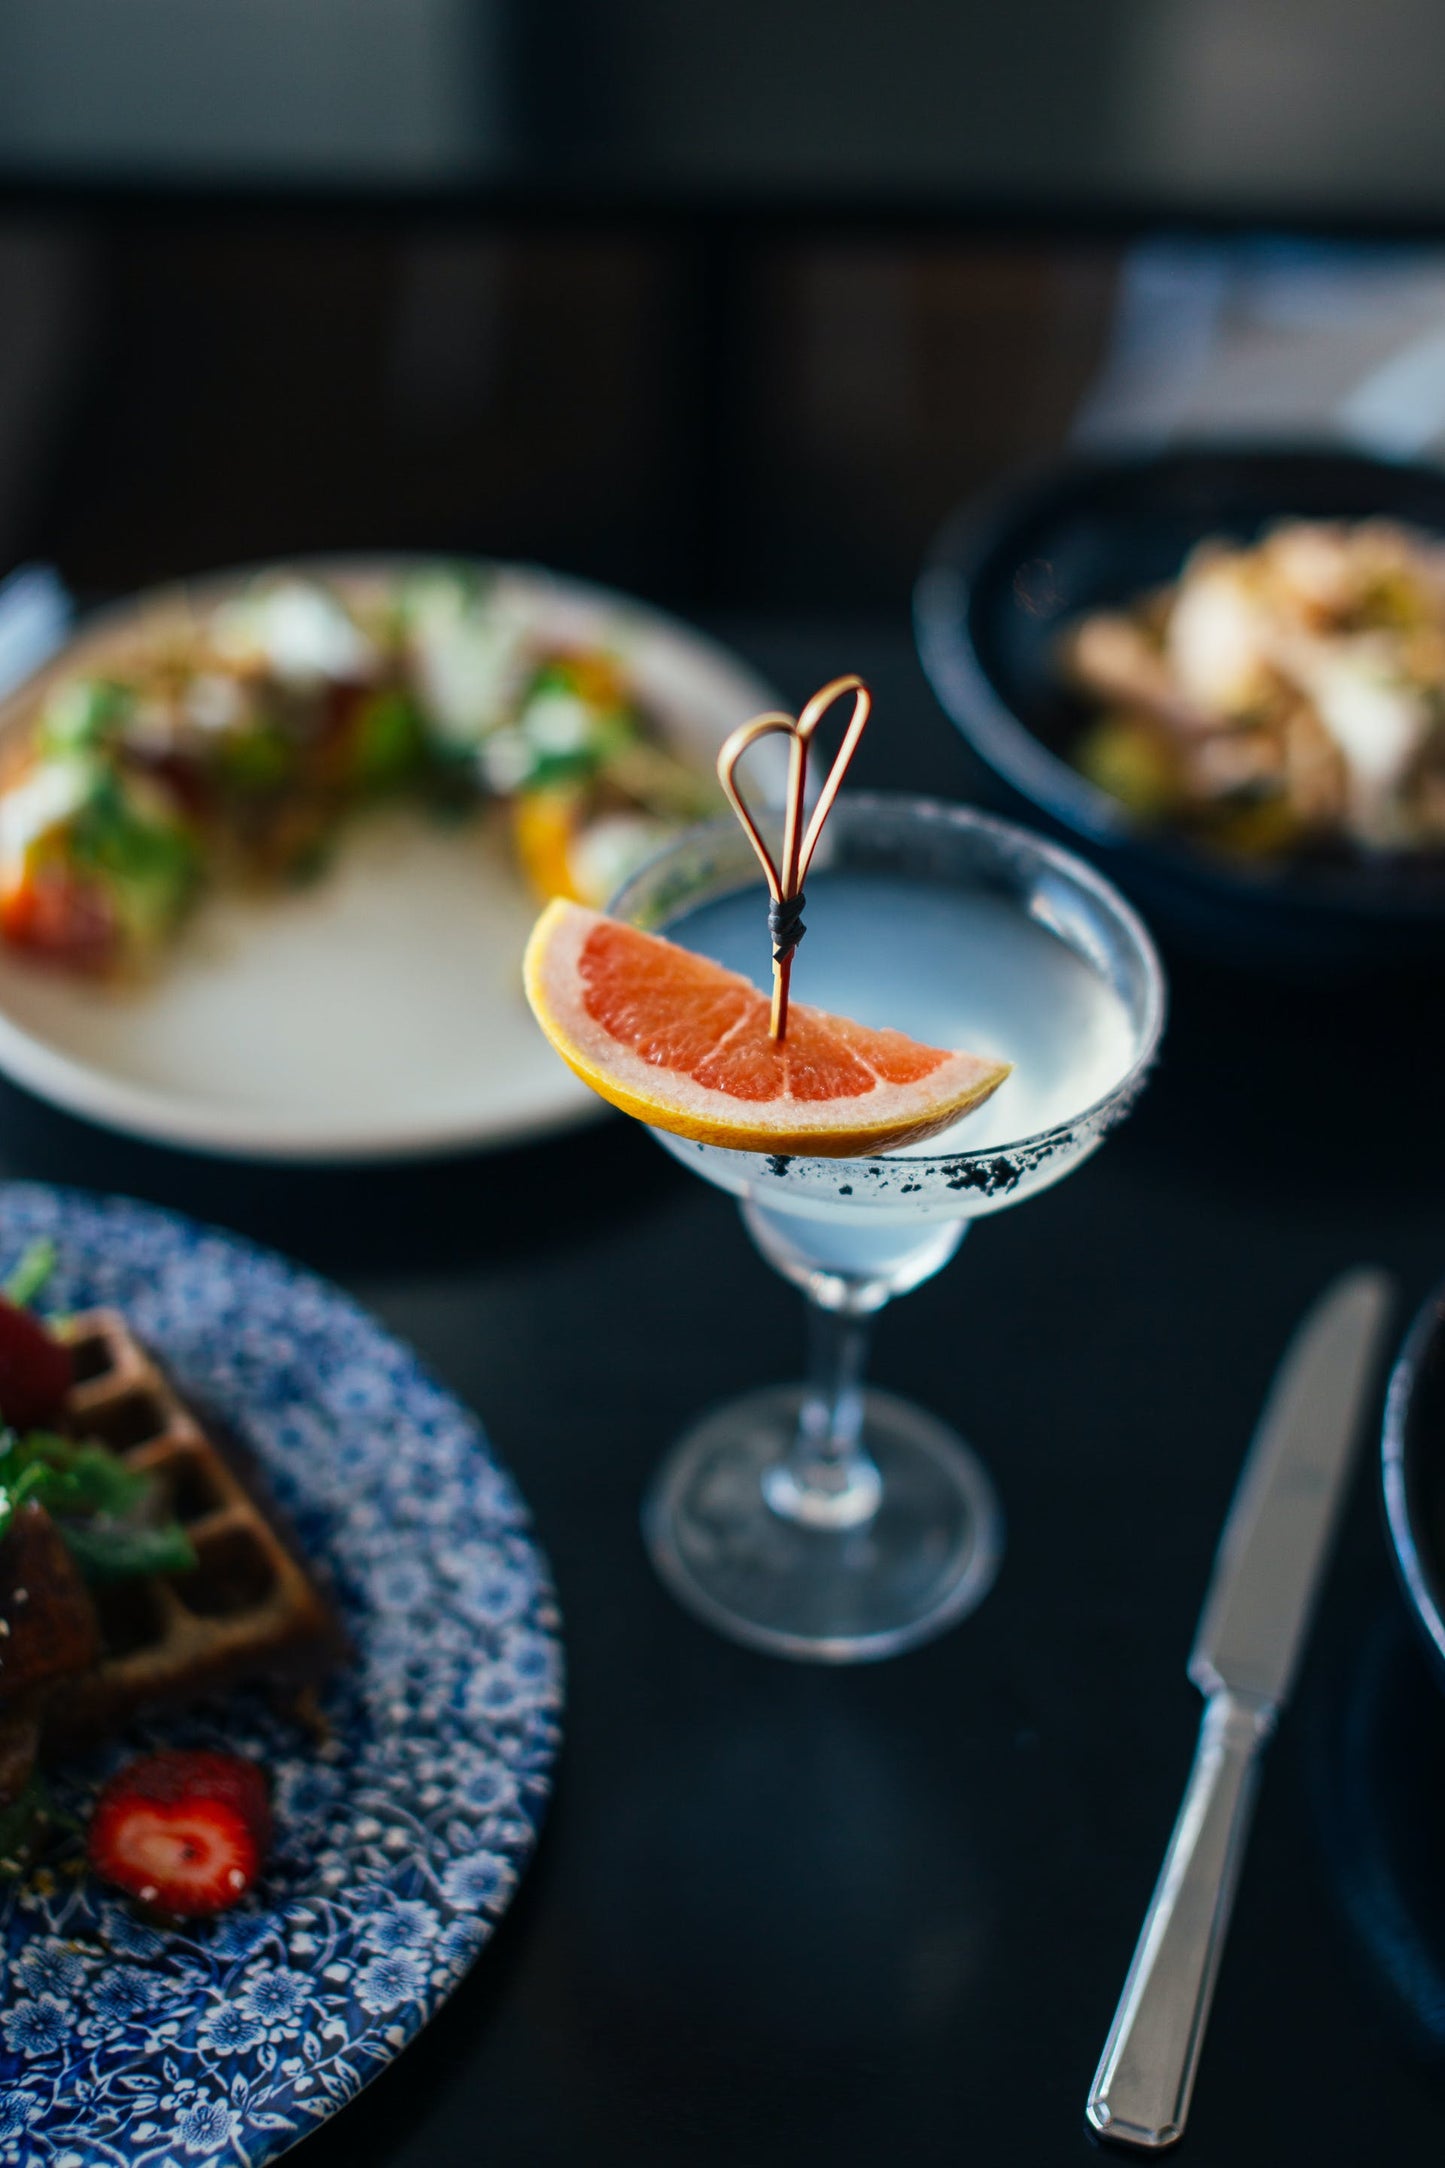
(71, 1478)
(145, 851)
(258, 760)
(106, 1513)
(390, 741)
(30, 1275)
(112, 1550)
(82, 715)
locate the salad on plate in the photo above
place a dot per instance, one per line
(232, 741)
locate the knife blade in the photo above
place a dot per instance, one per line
(1277, 1536)
(1252, 1629)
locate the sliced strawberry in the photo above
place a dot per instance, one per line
(35, 1370)
(185, 1831)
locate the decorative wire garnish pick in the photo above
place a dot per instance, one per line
(785, 882)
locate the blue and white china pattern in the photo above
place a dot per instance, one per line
(400, 1836)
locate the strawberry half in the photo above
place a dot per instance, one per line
(184, 1831)
(35, 1370)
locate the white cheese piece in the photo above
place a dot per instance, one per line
(471, 661)
(37, 805)
(507, 761)
(557, 722)
(299, 631)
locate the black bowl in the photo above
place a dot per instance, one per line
(1008, 573)
(1412, 1467)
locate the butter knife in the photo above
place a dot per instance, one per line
(1251, 1632)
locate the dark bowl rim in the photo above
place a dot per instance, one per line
(1399, 1471)
(960, 551)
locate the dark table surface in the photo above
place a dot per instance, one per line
(790, 1915)
(1286, 111)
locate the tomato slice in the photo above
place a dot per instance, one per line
(58, 915)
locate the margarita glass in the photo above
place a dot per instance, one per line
(828, 1521)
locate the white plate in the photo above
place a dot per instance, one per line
(378, 1013)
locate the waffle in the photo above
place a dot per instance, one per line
(247, 1610)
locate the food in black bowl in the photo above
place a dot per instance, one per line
(1413, 1473)
(1224, 669)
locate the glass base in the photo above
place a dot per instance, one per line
(834, 1596)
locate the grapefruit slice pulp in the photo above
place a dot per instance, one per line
(682, 1043)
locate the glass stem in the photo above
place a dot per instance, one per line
(829, 1480)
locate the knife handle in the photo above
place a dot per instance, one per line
(1141, 2089)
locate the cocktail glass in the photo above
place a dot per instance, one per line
(828, 1521)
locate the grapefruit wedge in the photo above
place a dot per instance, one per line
(682, 1043)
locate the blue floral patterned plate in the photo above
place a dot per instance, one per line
(399, 1839)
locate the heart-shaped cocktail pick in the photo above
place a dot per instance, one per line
(785, 881)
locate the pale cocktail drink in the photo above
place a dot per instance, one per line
(952, 966)
(826, 1520)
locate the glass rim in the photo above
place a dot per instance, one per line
(1014, 836)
